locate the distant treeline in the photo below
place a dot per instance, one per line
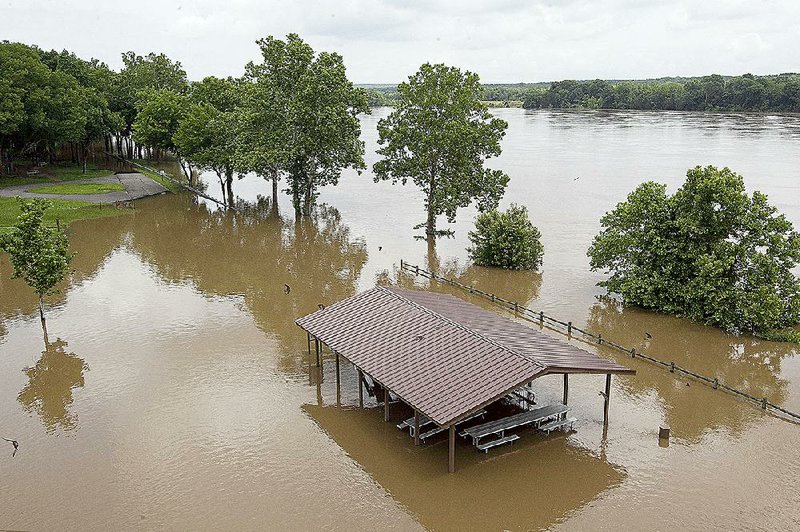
(776, 93)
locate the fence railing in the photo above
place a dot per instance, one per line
(568, 328)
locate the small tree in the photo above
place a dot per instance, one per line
(709, 252)
(439, 136)
(506, 239)
(38, 254)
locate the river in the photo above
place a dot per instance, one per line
(173, 390)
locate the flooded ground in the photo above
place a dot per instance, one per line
(173, 390)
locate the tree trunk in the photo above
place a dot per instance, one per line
(275, 187)
(222, 186)
(307, 199)
(41, 308)
(430, 225)
(229, 185)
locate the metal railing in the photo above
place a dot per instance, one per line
(557, 325)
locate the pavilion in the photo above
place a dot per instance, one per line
(444, 357)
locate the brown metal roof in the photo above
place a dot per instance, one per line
(443, 356)
(555, 355)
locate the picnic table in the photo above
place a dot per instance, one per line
(500, 426)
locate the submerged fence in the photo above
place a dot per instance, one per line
(557, 325)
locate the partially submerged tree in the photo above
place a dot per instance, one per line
(506, 239)
(206, 134)
(439, 136)
(299, 116)
(710, 252)
(39, 254)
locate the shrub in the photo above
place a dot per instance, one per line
(710, 252)
(506, 240)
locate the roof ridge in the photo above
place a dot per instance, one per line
(458, 325)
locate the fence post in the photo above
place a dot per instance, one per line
(764, 403)
(672, 367)
(541, 318)
(633, 352)
(569, 329)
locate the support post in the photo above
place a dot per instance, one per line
(316, 350)
(607, 397)
(566, 387)
(416, 427)
(385, 404)
(451, 463)
(360, 389)
(338, 382)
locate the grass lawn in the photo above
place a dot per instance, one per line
(62, 210)
(56, 172)
(80, 188)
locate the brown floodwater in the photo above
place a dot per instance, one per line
(172, 389)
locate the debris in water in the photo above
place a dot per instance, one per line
(15, 443)
(286, 288)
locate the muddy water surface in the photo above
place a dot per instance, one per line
(173, 390)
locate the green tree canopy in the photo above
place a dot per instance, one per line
(506, 239)
(206, 133)
(299, 117)
(710, 252)
(439, 136)
(39, 255)
(157, 122)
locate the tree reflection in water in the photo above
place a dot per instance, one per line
(50, 385)
(690, 408)
(252, 254)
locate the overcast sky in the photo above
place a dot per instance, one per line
(383, 41)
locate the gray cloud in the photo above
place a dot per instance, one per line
(386, 40)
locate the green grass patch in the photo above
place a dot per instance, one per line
(54, 173)
(169, 185)
(80, 188)
(62, 210)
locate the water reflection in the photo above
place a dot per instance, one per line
(281, 268)
(747, 364)
(531, 486)
(50, 384)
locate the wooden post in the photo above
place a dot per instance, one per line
(338, 382)
(385, 404)
(607, 398)
(416, 427)
(316, 350)
(566, 387)
(451, 464)
(360, 389)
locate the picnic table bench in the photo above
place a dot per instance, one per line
(499, 426)
(436, 430)
(494, 443)
(409, 423)
(558, 424)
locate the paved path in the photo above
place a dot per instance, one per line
(136, 186)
